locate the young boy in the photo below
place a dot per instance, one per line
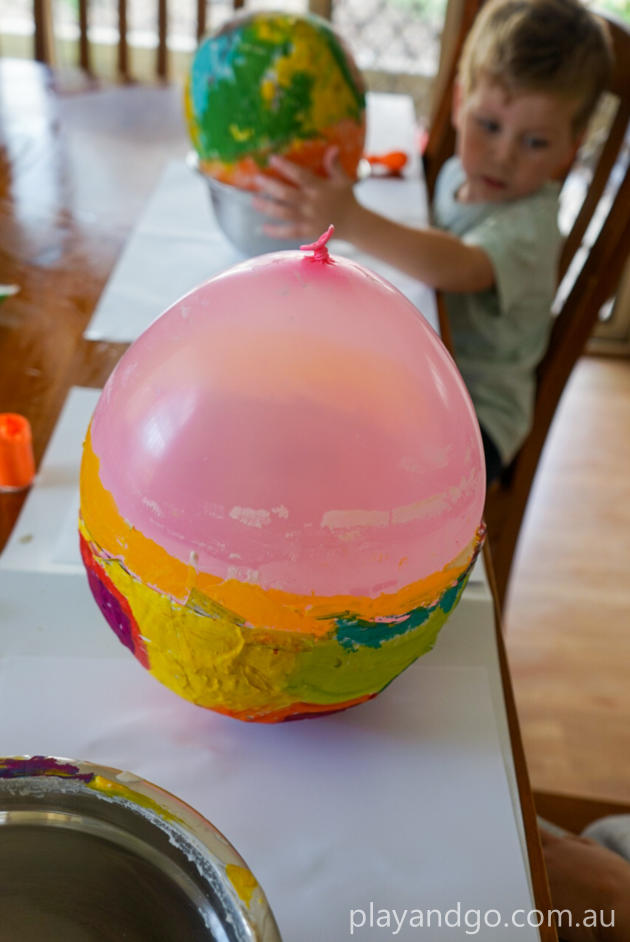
(529, 77)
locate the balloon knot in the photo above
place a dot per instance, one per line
(320, 252)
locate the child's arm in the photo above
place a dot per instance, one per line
(306, 205)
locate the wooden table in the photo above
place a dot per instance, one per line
(75, 172)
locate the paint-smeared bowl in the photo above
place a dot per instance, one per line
(241, 224)
(88, 852)
(273, 83)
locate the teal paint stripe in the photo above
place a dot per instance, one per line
(353, 632)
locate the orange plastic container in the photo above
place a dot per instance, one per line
(17, 465)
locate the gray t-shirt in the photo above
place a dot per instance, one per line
(500, 335)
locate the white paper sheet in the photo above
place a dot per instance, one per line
(177, 243)
(401, 802)
(45, 535)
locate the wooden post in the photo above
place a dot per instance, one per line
(321, 8)
(162, 51)
(201, 19)
(44, 42)
(84, 47)
(123, 58)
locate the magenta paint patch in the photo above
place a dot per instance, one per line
(28, 767)
(113, 605)
(112, 610)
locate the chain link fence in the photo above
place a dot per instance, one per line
(392, 35)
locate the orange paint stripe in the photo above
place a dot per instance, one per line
(103, 526)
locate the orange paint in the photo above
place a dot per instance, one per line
(392, 162)
(347, 136)
(294, 711)
(104, 527)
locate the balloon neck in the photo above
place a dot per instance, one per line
(319, 250)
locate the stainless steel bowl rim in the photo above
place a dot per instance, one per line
(33, 790)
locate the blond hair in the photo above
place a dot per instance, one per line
(554, 46)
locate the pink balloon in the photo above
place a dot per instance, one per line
(294, 422)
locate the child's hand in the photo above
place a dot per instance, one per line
(305, 205)
(584, 876)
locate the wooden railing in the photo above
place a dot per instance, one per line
(44, 41)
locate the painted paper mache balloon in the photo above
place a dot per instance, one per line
(282, 488)
(273, 83)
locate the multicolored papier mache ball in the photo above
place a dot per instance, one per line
(282, 488)
(273, 83)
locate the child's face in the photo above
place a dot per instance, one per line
(511, 143)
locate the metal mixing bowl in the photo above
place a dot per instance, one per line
(89, 853)
(237, 218)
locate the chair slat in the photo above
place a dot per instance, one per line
(594, 285)
(607, 159)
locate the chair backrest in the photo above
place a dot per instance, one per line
(595, 252)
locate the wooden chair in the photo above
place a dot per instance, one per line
(591, 266)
